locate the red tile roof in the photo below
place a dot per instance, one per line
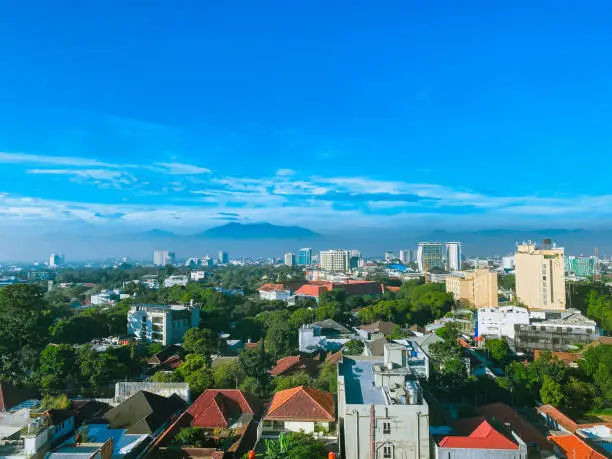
(574, 447)
(390, 288)
(302, 404)
(295, 363)
(350, 286)
(334, 359)
(503, 413)
(565, 357)
(483, 437)
(215, 407)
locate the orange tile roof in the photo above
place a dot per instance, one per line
(215, 407)
(560, 418)
(334, 359)
(574, 447)
(483, 437)
(565, 357)
(302, 404)
(272, 287)
(311, 290)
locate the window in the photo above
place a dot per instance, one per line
(387, 451)
(386, 427)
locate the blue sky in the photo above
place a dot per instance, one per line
(340, 114)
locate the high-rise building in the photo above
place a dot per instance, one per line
(355, 253)
(163, 258)
(581, 266)
(389, 256)
(304, 257)
(453, 256)
(335, 260)
(540, 276)
(406, 256)
(223, 258)
(429, 255)
(478, 288)
(290, 259)
(55, 260)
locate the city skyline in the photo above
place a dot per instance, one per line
(187, 118)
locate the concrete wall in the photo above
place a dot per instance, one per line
(307, 427)
(462, 453)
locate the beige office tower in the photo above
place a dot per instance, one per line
(478, 288)
(540, 276)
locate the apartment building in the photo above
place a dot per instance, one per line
(289, 259)
(163, 258)
(335, 260)
(304, 257)
(381, 410)
(164, 324)
(478, 288)
(540, 276)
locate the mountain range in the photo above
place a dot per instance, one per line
(238, 231)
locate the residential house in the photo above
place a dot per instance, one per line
(314, 289)
(502, 413)
(375, 347)
(324, 335)
(125, 389)
(556, 420)
(83, 451)
(571, 446)
(144, 413)
(376, 330)
(228, 418)
(278, 291)
(168, 359)
(300, 409)
(483, 442)
(296, 364)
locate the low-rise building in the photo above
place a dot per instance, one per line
(300, 409)
(381, 409)
(326, 335)
(173, 281)
(296, 364)
(227, 417)
(500, 322)
(273, 292)
(484, 441)
(555, 331)
(571, 446)
(376, 330)
(164, 324)
(125, 389)
(478, 288)
(197, 276)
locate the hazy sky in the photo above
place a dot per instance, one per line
(326, 114)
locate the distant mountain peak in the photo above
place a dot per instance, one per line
(263, 230)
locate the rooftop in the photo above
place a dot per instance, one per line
(573, 446)
(301, 404)
(483, 437)
(359, 381)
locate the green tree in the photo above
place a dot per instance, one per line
(255, 365)
(551, 392)
(295, 445)
(202, 341)
(498, 350)
(353, 347)
(166, 377)
(288, 382)
(191, 436)
(328, 378)
(449, 331)
(227, 375)
(58, 366)
(281, 340)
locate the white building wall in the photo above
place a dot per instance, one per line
(500, 321)
(307, 427)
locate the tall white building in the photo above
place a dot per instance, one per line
(55, 260)
(508, 263)
(389, 256)
(223, 258)
(381, 408)
(335, 260)
(290, 259)
(429, 255)
(453, 256)
(406, 256)
(163, 258)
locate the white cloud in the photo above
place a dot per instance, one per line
(182, 169)
(285, 172)
(26, 158)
